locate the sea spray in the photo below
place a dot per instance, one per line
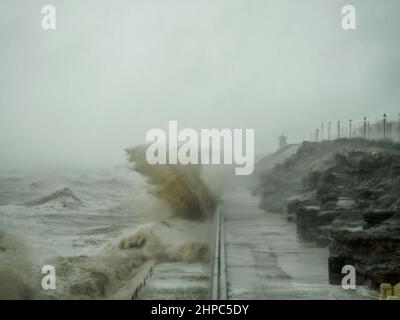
(181, 236)
(177, 233)
(180, 186)
(114, 271)
(15, 273)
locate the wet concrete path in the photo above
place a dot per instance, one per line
(171, 281)
(266, 259)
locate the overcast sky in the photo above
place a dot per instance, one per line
(112, 70)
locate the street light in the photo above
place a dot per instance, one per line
(322, 131)
(329, 131)
(368, 131)
(384, 126)
(350, 128)
(365, 128)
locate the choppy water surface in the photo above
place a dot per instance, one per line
(62, 226)
(100, 228)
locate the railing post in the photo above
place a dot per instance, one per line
(218, 289)
(215, 269)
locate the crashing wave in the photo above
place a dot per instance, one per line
(116, 270)
(15, 273)
(180, 186)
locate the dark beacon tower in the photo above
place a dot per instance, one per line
(282, 142)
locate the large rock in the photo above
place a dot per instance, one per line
(377, 216)
(374, 252)
(306, 216)
(326, 217)
(372, 162)
(306, 199)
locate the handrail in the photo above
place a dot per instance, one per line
(142, 283)
(222, 262)
(218, 286)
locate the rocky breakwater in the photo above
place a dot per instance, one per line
(373, 245)
(374, 252)
(346, 199)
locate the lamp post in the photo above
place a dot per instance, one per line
(338, 129)
(329, 131)
(365, 128)
(384, 126)
(322, 131)
(350, 128)
(398, 128)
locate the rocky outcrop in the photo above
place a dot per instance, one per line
(374, 252)
(289, 179)
(376, 217)
(346, 199)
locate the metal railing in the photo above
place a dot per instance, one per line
(382, 129)
(218, 285)
(218, 267)
(142, 283)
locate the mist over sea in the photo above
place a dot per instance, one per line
(100, 228)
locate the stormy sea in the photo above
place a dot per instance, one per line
(104, 230)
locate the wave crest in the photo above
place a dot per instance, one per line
(64, 196)
(180, 186)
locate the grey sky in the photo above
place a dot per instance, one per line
(114, 69)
